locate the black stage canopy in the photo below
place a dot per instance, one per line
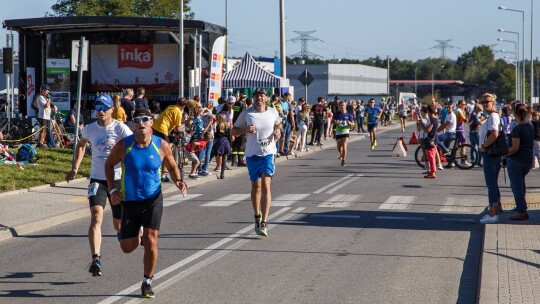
(104, 23)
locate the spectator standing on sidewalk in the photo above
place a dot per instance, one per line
(536, 125)
(140, 101)
(102, 135)
(476, 119)
(520, 159)
(128, 105)
(238, 144)
(359, 111)
(287, 115)
(262, 125)
(141, 155)
(319, 118)
(491, 164)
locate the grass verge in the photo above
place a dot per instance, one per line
(52, 166)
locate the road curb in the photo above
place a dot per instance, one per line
(40, 187)
(488, 280)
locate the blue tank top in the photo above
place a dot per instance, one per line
(141, 170)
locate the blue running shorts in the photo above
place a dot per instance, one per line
(259, 165)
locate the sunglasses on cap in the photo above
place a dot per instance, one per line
(141, 119)
(101, 107)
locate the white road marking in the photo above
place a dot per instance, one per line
(333, 183)
(212, 248)
(175, 199)
(412, 218)
(336, 216)
(287, 200)
(459, 220)
(340, 201)
(398, 202)
(343, 184)
(227, 200)
(454, 204)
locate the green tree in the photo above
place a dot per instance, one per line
(477, 64)
(142, 8)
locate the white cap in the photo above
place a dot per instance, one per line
(231, 99)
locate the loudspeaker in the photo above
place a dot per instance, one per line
(7, 56)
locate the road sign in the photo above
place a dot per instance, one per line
(306, 78)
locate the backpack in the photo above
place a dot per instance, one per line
(27, 153)
(34, 104)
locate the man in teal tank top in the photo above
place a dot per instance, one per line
(141, 155)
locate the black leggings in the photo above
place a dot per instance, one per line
(316, 131)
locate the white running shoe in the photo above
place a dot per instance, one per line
(487, 219)
(440, 167)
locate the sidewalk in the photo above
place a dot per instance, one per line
(510, 270)
(29, 210)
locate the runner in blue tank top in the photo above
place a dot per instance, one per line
(141, 155)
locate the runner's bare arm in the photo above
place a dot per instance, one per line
(117, 155)
(77, 159)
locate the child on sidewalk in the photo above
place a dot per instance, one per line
(192, 148)
(222, 146)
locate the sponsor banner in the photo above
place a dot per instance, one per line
(30, 89)
(117, 66)
(57, 73)
(216, 70)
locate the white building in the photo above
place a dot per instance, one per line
(349, 81)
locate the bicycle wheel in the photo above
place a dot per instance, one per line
(420, 156)
(465, 156)
(178, 155)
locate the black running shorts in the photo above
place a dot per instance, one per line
(98, 193)
(146, 213)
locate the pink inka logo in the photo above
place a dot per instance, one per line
(140, 56)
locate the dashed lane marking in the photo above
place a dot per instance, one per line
(287, 200)
(340, 201)
(227, 200)
(175, 199)
(398, 203)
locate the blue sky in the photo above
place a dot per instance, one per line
(351, 28)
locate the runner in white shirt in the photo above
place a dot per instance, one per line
(262, 125)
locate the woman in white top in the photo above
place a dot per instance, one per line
(491, 164)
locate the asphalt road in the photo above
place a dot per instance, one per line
(374, 231)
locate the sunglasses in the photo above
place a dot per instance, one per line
(141, 119)
(101, 107)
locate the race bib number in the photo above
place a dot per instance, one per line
(342, 123)
(92, 189)
(264, 144)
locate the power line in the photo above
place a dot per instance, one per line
(443, 45)
(305, 38)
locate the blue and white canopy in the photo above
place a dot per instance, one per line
(249, 74)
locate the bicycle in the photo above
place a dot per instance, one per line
(177, 146)
(459, 155)
(21, 130)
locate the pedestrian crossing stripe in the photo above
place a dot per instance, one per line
(227, 200)
(286, 200)
(175, 199)
(398, 203)
(340, 201)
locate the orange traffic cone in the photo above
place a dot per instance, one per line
(403, 142)
(414, 139)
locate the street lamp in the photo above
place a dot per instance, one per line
(520, 61)
(181, 52)
(516, 45)
(522, 43)
(507, 59)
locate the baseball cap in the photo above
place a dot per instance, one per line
(259, 91)
(231, 99)
(301, 99)
(45, 87)
(142, 112)
(104, 99)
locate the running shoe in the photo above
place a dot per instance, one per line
(262, 230)
(372, 146)
(343, 163)
(217, 169)
(440, 167)
(487, 219)
(146, 291)
(375, 143)
(193, 176)
(204, 173)
(95, 267)
(258, 219)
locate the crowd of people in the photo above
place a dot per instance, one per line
(131, 150)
